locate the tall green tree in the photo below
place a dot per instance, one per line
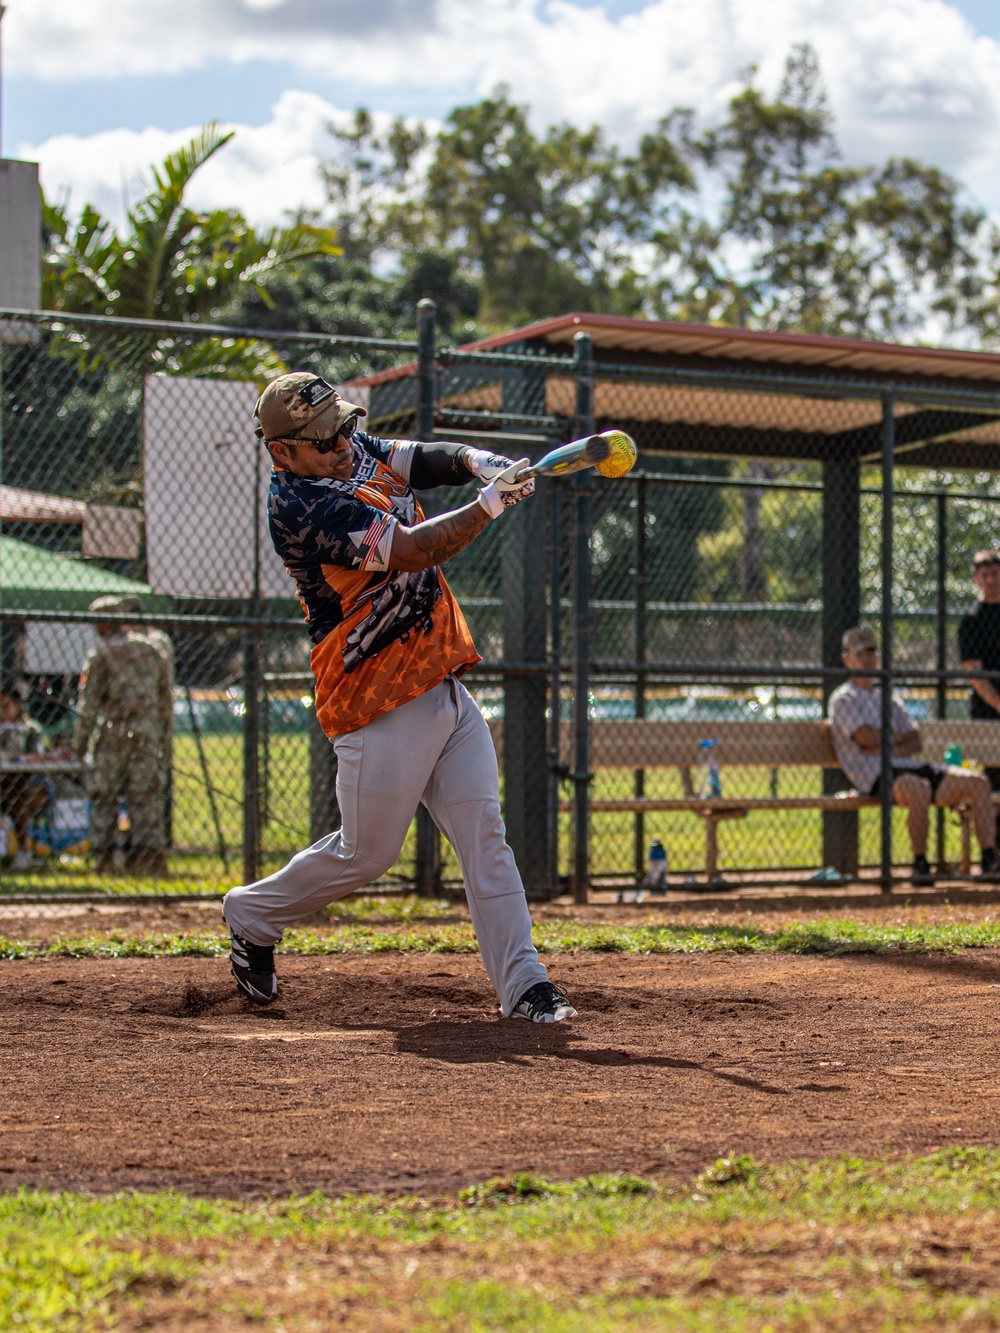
(538, 223)
(753, 221)
(802, 242)
(547, 223)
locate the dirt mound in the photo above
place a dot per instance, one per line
(396, 1073)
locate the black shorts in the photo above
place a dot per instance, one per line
(934, 773)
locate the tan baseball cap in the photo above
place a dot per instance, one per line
(857, 640)
(302, 406)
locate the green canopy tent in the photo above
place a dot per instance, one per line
(36, 580)
(32, 579)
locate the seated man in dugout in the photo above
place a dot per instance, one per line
(979, 646)
(856, 728)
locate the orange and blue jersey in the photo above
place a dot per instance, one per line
(380, 637)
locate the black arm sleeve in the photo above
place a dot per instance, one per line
(439, 465)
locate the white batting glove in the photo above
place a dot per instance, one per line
(484, 466)
(505, 490)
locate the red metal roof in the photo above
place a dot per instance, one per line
(815, 351)
(35, 507)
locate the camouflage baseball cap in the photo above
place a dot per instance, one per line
(302, 406)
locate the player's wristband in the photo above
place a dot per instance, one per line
(489, 498)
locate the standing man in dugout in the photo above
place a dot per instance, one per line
(856, 728)
(125, 707)
(389, 646)
(979, 646)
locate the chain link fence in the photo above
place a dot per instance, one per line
(659, 650)
(766, 517)
(130, 471)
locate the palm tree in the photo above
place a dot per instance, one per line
(173, 264)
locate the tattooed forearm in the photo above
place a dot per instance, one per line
(437, 539)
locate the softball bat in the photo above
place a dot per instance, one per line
(612, 453)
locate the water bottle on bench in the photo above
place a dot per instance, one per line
(709, 781)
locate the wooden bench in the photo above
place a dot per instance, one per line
(770, 745)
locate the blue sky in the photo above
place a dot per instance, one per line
(97, 89)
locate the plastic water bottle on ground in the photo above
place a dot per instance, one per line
(656, 867)
(123, 835)
(709, 780)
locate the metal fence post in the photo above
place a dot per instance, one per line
(523, 623)
(584, 374)
(251, 706)
(556, 769)
(885, 788)
(639, 633)
(941, 646)
(251, 756)
(841, 582)
(428, 867)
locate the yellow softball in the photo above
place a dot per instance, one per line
(622, 457)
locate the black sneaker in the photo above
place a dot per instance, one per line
(253, 968)
(922, 873)
(543, 1003)
(990, 864)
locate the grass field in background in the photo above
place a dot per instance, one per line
(789, 839)
(841, 1245)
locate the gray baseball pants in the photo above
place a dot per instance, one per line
(436, 749)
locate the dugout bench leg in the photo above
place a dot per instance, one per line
(712, 820)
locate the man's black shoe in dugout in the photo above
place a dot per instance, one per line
(922, 873)
(253, 968)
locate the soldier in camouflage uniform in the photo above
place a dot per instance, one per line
(125, 704)
(132, 605)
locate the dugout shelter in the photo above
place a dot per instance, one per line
(890, 448)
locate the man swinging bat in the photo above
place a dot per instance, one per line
(389, 647)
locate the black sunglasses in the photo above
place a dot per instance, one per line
(328, 445)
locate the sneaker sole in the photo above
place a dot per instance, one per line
(562, 1013)
(250, 991)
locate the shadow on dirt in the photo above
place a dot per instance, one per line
(970, 965)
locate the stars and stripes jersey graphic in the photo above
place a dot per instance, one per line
(380, 637)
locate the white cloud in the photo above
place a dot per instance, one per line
(264, 171)
(67, 40)
(905, 76)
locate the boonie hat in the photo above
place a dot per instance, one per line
(302, 406)
(113, 604)
(857, 640)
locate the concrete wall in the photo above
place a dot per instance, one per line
(20, 237)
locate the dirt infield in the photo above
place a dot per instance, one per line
(395, 1073)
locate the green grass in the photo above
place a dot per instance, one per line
(405, 927)
(791, 839)
(837, 1244)
(788, 838)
